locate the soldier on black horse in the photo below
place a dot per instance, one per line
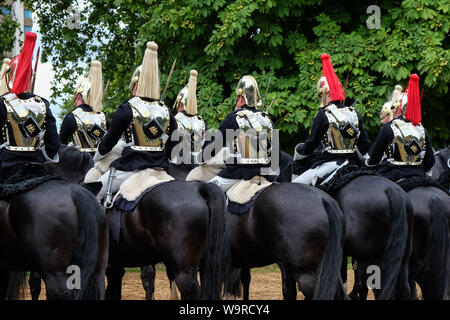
(404, 140)
(338, 127)
(377, 211)
(86, 124)
(185, 233)
(271, 222)
(47, 224)
(403, 153)
(192, 129)
(246, 140)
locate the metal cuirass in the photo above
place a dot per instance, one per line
(149, 127)
(342, 131)
(408, 145)
(254, 140)
(25, 123)
(192, 130)
(91, 127)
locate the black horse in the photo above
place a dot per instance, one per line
(295, 226)
(430, 261)
(430, 247)
(49, 228)
(378, 216)
(178, 223)
(298, 227)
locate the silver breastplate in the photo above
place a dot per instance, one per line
(408, 145)
(192, 129)
(24, 128)
(149, 127)
(91, 127)
(342, 131)
(254, 141)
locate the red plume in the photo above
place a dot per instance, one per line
(24, 69)
(413, 112)
(335, 86)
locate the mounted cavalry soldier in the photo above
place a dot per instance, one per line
(403, 140)
(390, 108)
(28, 128)
(191, 126)
(338, 127)
(249, 152)
(146, 123)
(86, 124)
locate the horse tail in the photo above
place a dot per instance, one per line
(329, 282)
(86, 250)
(437, 250)
(395, 248)
(217, 258)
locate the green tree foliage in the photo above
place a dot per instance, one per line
(225, 40)
(8, 27)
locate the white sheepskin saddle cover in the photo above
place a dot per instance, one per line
(209, 169)
(140, 181)
(244, 190)
(203, 173)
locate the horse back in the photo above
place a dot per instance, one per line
(367, 209)
(172, 215)
(284, 221)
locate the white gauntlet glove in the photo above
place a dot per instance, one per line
(297, 155)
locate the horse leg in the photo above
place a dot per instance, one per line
(361, 285)
(288, 283)
(148, 281)
(35, 285)
(188, 284)
(173, 285)
(306, 283)
(355, 293)
(114, 276)
(56, 286)
(344, 272)
(245, 279)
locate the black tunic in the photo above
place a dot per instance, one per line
(132, 160)
(397, 172)
(318, 131)
(69, 124)
(240, 171)
(51, 138)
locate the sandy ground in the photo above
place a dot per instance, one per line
(263, 286)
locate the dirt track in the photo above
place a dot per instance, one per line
(264, 286)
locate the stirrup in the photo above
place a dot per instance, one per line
(109, 203)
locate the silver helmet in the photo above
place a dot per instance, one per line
(247, 87)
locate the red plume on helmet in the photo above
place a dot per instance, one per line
(334, 85)
(413, 112)
(23, 70)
